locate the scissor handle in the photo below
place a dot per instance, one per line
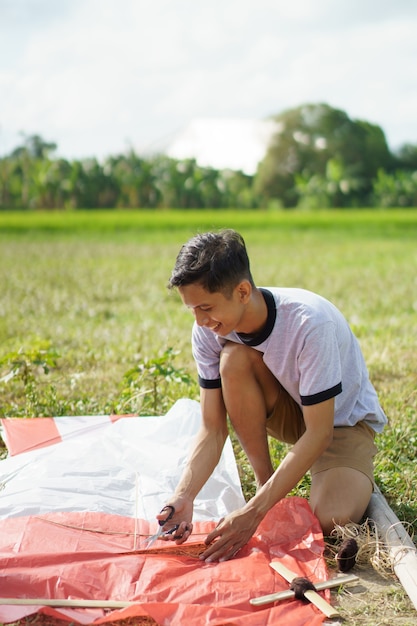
(162, 522)
(172, 530)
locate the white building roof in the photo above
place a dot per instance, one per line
(221, 143)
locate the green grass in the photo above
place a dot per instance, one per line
(92, 223)
(88, 325)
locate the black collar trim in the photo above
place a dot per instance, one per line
(258, 338)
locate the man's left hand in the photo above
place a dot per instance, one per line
(230, 535)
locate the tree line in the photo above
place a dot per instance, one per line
(318, 158)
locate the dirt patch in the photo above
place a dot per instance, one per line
(374, 600)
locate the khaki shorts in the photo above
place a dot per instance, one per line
(352, 446)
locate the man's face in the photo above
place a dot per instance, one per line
(215, 311)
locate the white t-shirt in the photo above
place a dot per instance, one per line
(309, 347)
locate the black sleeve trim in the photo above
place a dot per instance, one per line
(322, 396)
(209, 384)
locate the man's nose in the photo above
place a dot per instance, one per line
(201, 317)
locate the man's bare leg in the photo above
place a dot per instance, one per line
(250, 391)
(339, 495)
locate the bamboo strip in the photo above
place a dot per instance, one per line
(121, 604)
(135, 545)
(289, 594)
(312, 596)
(402, 550)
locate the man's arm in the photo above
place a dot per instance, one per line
(204, 457)
(237, 528)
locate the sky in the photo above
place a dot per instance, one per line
(99, 77)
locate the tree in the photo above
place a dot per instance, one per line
(407, 157)
(35, 147)
(135, 180)
(310, 136)
(396, 190)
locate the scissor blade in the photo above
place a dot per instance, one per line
(152, 539)
(150, 542)
(160, 532)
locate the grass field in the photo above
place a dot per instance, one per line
(87, 325)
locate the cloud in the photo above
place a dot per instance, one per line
(96, 75)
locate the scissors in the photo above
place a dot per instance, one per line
(162, 523)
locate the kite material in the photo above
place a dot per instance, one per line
(76, 515)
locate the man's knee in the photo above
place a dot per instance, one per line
(236, 357)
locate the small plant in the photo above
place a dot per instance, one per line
(153, 385)
(21, 372)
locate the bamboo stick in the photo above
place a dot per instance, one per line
(289, 594)
(401, 548)
(121, 604)
(312, 596)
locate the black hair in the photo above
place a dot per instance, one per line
(218, 261)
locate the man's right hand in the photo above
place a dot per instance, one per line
(183, 515)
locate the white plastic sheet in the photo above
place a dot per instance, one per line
(129, 467)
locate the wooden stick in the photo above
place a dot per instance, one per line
(310, 595)
(84, 604)
(289, 594)
(135, 545)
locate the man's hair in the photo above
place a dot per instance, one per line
(218, 261)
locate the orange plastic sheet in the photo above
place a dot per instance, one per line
(97, 556)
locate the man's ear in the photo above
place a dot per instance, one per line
(244, 291)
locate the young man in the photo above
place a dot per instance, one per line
(280, 362)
